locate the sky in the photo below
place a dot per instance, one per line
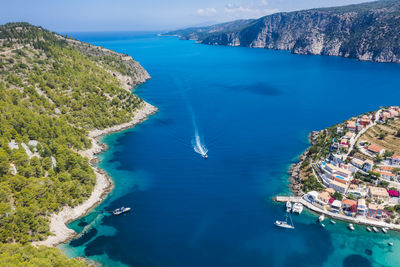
(145, 15)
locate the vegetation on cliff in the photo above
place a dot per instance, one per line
(367, 31)
(52, 91)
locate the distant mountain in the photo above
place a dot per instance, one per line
(369, 31)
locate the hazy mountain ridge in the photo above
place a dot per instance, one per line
(366, 31)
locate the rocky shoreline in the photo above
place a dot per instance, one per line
(104, 184)
(294, 170)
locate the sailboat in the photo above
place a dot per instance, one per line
(285, 224)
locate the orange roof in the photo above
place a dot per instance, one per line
(349, 202)
(386, 168)
(387, 174)
(374, 148)
(351, 124)
(395, 157)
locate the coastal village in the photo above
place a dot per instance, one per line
(352, 171)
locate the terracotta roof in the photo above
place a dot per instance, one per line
(395, 157)
(349, 202)
(351, 124)
(374, 148)
(387, 173)
(386, 168)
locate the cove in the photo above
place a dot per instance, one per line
(254, 109)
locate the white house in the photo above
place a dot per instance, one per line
(395, 160)
(368, 165)
(362, 207)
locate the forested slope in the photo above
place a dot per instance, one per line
(52, 91)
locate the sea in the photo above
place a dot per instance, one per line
(251, 110)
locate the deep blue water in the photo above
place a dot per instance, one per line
(254, 109)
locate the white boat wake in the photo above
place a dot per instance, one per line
(198, 146)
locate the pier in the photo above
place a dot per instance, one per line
(340, 217)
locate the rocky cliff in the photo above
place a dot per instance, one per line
(368, 31)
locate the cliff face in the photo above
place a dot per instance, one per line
(365, 31)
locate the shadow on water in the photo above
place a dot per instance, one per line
(355, 260)
(83, 238)
(257, 88)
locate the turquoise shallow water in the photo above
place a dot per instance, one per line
(254, 109)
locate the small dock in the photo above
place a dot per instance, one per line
(340, 217)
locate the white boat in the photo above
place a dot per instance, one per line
(369, 229)
(333, 222)
(297, 208)
(205, 156)
(321, 218)
(285, 224)
(121, 210)
(390, 244)
(375, 229)
(384, 229)
(288, 206)
(323, 225)
(351, 227)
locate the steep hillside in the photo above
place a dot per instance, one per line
(365, 31)
(52, 91)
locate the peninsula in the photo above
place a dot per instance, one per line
(367, 31)
(351, 172)
(57, 95)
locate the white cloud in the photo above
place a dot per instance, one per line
(249, 11)
(206, 11)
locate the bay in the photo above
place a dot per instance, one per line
(253, 109)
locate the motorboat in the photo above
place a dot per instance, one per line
(384, 229)
(369, 229)
(390, 244)
(333, 222)
(375, 229)
(205, 156)
(321, 218)
(351, 227)
(121, 210)
(323, 225)
(288, 206)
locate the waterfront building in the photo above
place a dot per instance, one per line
(375, 211)
(351, 126)
(349, 206)
(365, 121)
(378, 193)
(312, 196)
(336, 205)
(362, 208)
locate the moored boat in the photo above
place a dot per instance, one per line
(369, 229)
(297, 208)
(333, 222)
(285, 224)
(375, 229)
(390, 244)
(288, 206)
(321, 218)
(323, 225)
(351, 227)
(384, 229)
